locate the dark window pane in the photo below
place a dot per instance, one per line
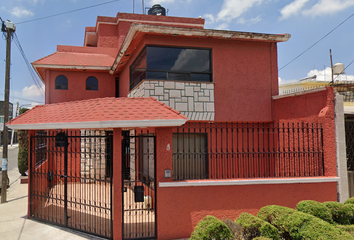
(200, 77)
(178, 59)
(178, 76)
(61, 82)
(156, 75)
(138, 70)
(91, 83)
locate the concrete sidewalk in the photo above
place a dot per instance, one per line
(15, 225)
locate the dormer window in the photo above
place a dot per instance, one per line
(172, 63)
(92, 83)
(61, 82)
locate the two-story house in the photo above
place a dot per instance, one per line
(157, 122)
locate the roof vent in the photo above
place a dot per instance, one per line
(157, 9)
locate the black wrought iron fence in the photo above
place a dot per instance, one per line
(222, 150)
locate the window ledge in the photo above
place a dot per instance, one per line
(201, 183)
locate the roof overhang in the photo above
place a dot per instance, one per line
(100, 124)
(192, 32)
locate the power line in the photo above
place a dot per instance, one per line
(344, 69)
(75, 10)
(316, 42)
(34, 75)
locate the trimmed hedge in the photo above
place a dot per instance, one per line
(349, 201)
(211, 228)
(316, 209)
(348, 228)
(301, 225)
(271, 213)
(341, 213)
(256, 227)
(23, 146)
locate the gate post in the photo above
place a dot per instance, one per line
(117, 184)
(31, 165)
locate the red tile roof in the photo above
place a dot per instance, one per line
(76, 59)
(99, 113)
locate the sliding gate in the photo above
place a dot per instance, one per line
(71, 180)
(138, 176)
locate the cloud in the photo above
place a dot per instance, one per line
(152, 2)
(324, 7)
(292, 8)
(249, 21)
(32, 91)
(19, 12)
(232, 9)
(326, 75)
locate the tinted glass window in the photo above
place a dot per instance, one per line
(178, 59)
(171, 63)
(61, 82)
(91, 83)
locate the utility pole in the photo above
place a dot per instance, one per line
(330, 57)
(8, 27)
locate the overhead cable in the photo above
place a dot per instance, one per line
(316, 42)
(75, 10)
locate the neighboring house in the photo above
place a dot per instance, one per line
(345, 88)
(157, 122)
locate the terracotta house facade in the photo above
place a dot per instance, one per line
(157, 122)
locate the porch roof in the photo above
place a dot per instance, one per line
(99, 113)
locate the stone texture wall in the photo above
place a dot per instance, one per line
(193, 100)
(93, 160)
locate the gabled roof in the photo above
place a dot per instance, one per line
(99, 113)
(72, 60)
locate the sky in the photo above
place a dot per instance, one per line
(308, 21)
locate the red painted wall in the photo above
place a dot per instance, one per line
(184, 207)
(316, 107)
(77, 86)
(244, 73)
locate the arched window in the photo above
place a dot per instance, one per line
(91, 83)
(61, 82)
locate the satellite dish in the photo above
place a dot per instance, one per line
(338, 69)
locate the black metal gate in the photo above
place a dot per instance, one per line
(71, 180)
(139, 196)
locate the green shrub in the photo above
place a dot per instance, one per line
(236, 229)
(341, 213)
(316, 209)
(256, 227)
(23, 145)
(262, 238)
(347, 228)
(349, 201)
(301, 225)
(271, 213)
(211, 228)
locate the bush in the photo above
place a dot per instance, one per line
(236, 229)
(301, 225)
(341, 213)
(256, 227)
(316, 209)
(347, 228)
(262, 238)
(23, 146)
(211, 228)
(349, 201)
(271, 213)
